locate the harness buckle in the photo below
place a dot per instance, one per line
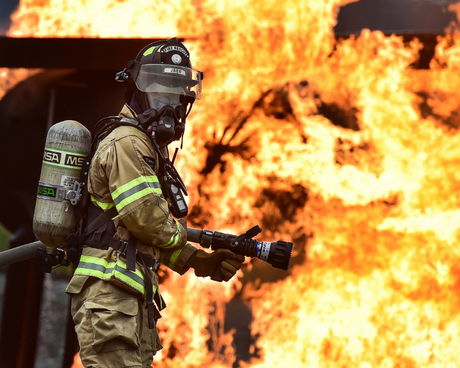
(123, 247)
(156, 265)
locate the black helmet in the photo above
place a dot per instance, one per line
(162, 67)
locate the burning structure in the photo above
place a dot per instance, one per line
(345, 147)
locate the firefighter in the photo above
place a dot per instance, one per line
(129, 228)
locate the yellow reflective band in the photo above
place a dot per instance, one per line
(100, 268)
(134, 190)
(172, 242)
(133, 183)
(104, 206)
(132, 198)
(173, 259)
(149, 51)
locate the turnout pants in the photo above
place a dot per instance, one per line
(112, 327)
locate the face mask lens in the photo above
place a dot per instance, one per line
(159, 99)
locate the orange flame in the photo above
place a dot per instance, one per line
(10, 77)
(369, 196)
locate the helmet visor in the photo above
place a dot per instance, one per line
(170, 79)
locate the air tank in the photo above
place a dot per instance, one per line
(67, 144)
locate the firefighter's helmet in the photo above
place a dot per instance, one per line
(162, 68)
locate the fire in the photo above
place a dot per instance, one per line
(10, 77)
(342, 148)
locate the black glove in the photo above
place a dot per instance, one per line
(222, 261)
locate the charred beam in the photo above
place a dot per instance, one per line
(69, 53)
(114, 53)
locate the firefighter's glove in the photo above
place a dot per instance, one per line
(221, 262)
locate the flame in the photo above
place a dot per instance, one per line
(340, 147)
(10, 77)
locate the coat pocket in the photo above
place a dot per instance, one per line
(113, 319)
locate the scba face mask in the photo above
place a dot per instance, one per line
(165, 117)
(168, 93)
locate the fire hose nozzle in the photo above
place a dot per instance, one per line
(278, 253)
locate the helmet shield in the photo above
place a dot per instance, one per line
(169, 79)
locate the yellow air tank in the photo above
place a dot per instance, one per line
(67, 144)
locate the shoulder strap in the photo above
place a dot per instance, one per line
(106, 125)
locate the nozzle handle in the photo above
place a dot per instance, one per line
(202, 237)
(194, 235)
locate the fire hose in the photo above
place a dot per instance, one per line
(277, 253)
(20, 253)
